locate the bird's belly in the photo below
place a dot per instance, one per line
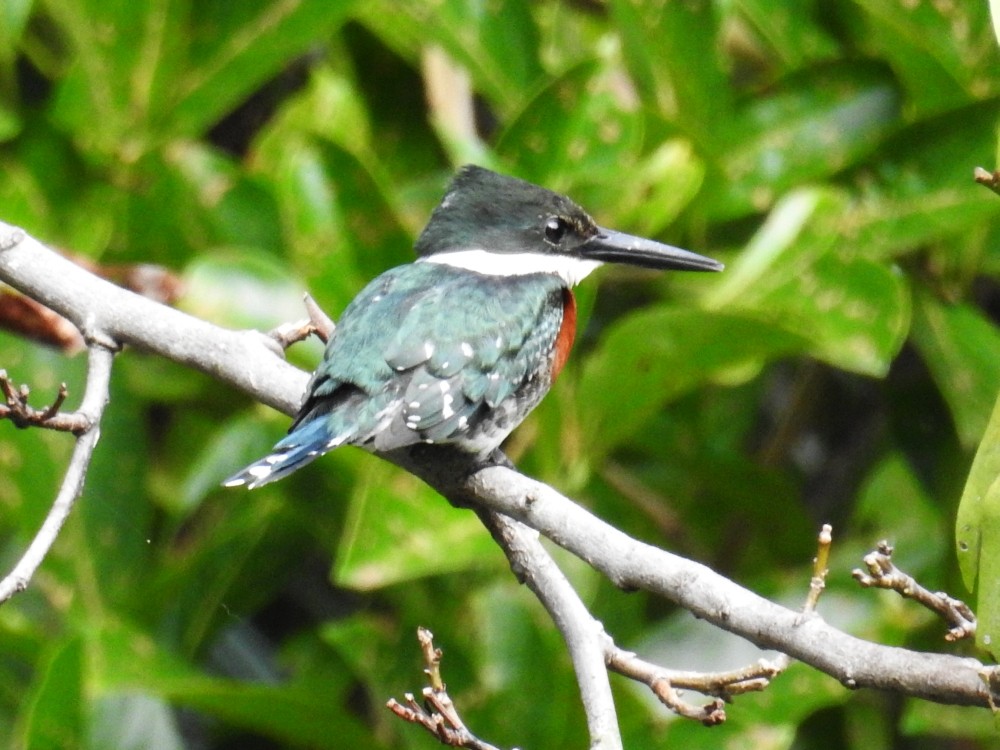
(487, 433)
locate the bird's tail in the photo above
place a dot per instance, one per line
(301, 446)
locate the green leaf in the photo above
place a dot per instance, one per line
(962, 351)
(995, 17)
(239, 441)
(944, 55)
(496, 42)
(892, 504)
(977, 534)
(242, 288)
(295, 713)
(235, 47)
(114, 528)
(672, 54)
(553, 139)
(398, 530)
(52, 716)
(14, 16)
(813, 126)
(120, 73)
(147, 68)
(653, 356)
(659, 187)
(791, 28)
(795, 275)
(514, 653)
(920, 189)
(10, 124)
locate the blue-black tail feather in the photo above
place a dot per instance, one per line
(307, 442)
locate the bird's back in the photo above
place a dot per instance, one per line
(426, 353)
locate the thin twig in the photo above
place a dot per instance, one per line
(17, 410)
(318, 323)
(292, 333)
(883, 573)
(438, 715)
(323, 325)
(662, 682)
(987, 179)
(820, 569)
(723, 686)
(95, 398)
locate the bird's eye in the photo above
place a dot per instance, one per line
(555, 229)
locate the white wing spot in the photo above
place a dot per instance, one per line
(467, 349)
(259, 472)
(428, 349)
(463, 422)
(444, 385)
(414, 404)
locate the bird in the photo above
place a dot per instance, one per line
(457, 347)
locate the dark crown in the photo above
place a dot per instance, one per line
(501, 214)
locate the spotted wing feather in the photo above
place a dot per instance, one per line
(482, 343)
(425, 353)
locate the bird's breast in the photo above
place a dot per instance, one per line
(566, 335)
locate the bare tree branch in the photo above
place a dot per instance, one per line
(883, 573)
(17, 410)
(438, 715)
(248, 361)
(987, 179)
(95, 398)
(584, 636)
(112, 315)
(631, 564)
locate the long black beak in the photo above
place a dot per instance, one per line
(610, 246)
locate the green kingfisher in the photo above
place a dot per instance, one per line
(460, 345)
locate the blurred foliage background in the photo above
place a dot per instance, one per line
(842, 369)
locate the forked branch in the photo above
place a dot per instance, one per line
(882, 573)
(438, 714)
(86, 427)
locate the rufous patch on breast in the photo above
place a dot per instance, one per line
(566, 335)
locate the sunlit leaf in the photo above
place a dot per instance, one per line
(977, 534)
(398, 530)
(814, 125)
(653, 356)
(52, 712)
(497, 42)
(553, 138)
(672, 55)
(962, 351)
(798, 275)
(944, 55)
